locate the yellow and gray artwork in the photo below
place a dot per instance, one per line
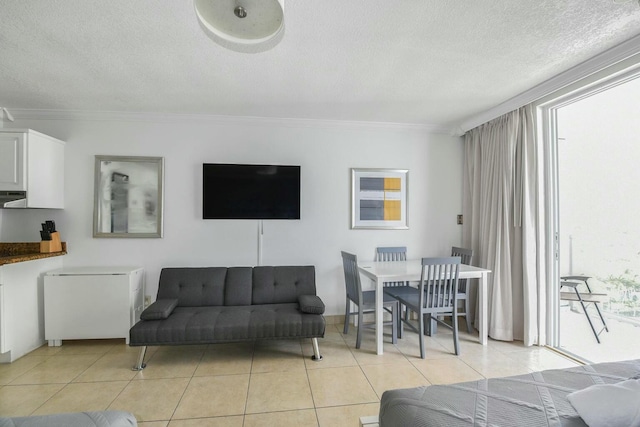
(379, 199)
(383, 199)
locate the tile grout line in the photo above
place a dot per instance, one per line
(65, 384)
(246, 400)
(46, 357)
(50, 397)
(123, 389)
(306, 371)
(187, 386)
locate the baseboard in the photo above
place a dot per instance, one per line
(368, 318)
(334, 320)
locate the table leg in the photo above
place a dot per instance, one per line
(379, 316)
(483, 295)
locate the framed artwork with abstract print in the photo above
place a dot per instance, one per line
(128, 196)
(379, 199)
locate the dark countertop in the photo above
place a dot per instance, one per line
(10, 253)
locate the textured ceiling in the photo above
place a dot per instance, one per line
(403, 61)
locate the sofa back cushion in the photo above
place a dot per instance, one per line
(282, 284)
(215, 286)
(205, 286)
(237, 290)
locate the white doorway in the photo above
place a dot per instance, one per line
(596, 162)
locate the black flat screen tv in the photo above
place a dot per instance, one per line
(241, 191)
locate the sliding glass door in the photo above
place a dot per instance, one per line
(593, 178)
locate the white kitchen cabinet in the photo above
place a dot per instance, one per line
(21, 306)
(32, 163)
(92, 302)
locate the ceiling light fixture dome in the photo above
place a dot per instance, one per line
(248, 26)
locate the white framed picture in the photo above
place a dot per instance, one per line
(379, 198)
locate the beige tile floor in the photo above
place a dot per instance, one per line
(261, 384)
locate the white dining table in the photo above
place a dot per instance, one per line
(401, 271)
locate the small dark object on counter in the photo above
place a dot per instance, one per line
(48, 227)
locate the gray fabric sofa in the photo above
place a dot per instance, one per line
(535, 399)
(74, 419)
(209, 305)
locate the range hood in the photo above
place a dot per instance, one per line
(13, 199)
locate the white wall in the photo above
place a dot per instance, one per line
(325, 151)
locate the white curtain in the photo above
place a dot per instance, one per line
(503, 222)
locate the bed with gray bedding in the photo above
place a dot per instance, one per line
(536, 399)
(75, 419)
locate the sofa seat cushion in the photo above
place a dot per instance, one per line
(202, 325)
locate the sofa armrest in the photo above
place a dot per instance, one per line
(311, 304)
(161, 309)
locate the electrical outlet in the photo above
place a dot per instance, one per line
(459, 219)
(147, 300)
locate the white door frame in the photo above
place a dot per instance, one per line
(547, 126)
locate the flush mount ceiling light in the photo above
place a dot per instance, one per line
(248, 26)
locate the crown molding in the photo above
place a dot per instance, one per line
(621, 52)
(177, 118)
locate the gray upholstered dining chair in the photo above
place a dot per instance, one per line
(364, 300)
(437, 294)
(463, 291)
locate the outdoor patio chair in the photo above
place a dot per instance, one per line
(584, 297)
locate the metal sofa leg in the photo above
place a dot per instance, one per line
(316, 350)
(140, 365)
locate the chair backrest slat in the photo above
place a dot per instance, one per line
(465, 258)
(352, 277)
(465, 254)
(395, 253)
(439, 282)
(392, 253)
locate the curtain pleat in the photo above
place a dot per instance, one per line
(500, 205)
